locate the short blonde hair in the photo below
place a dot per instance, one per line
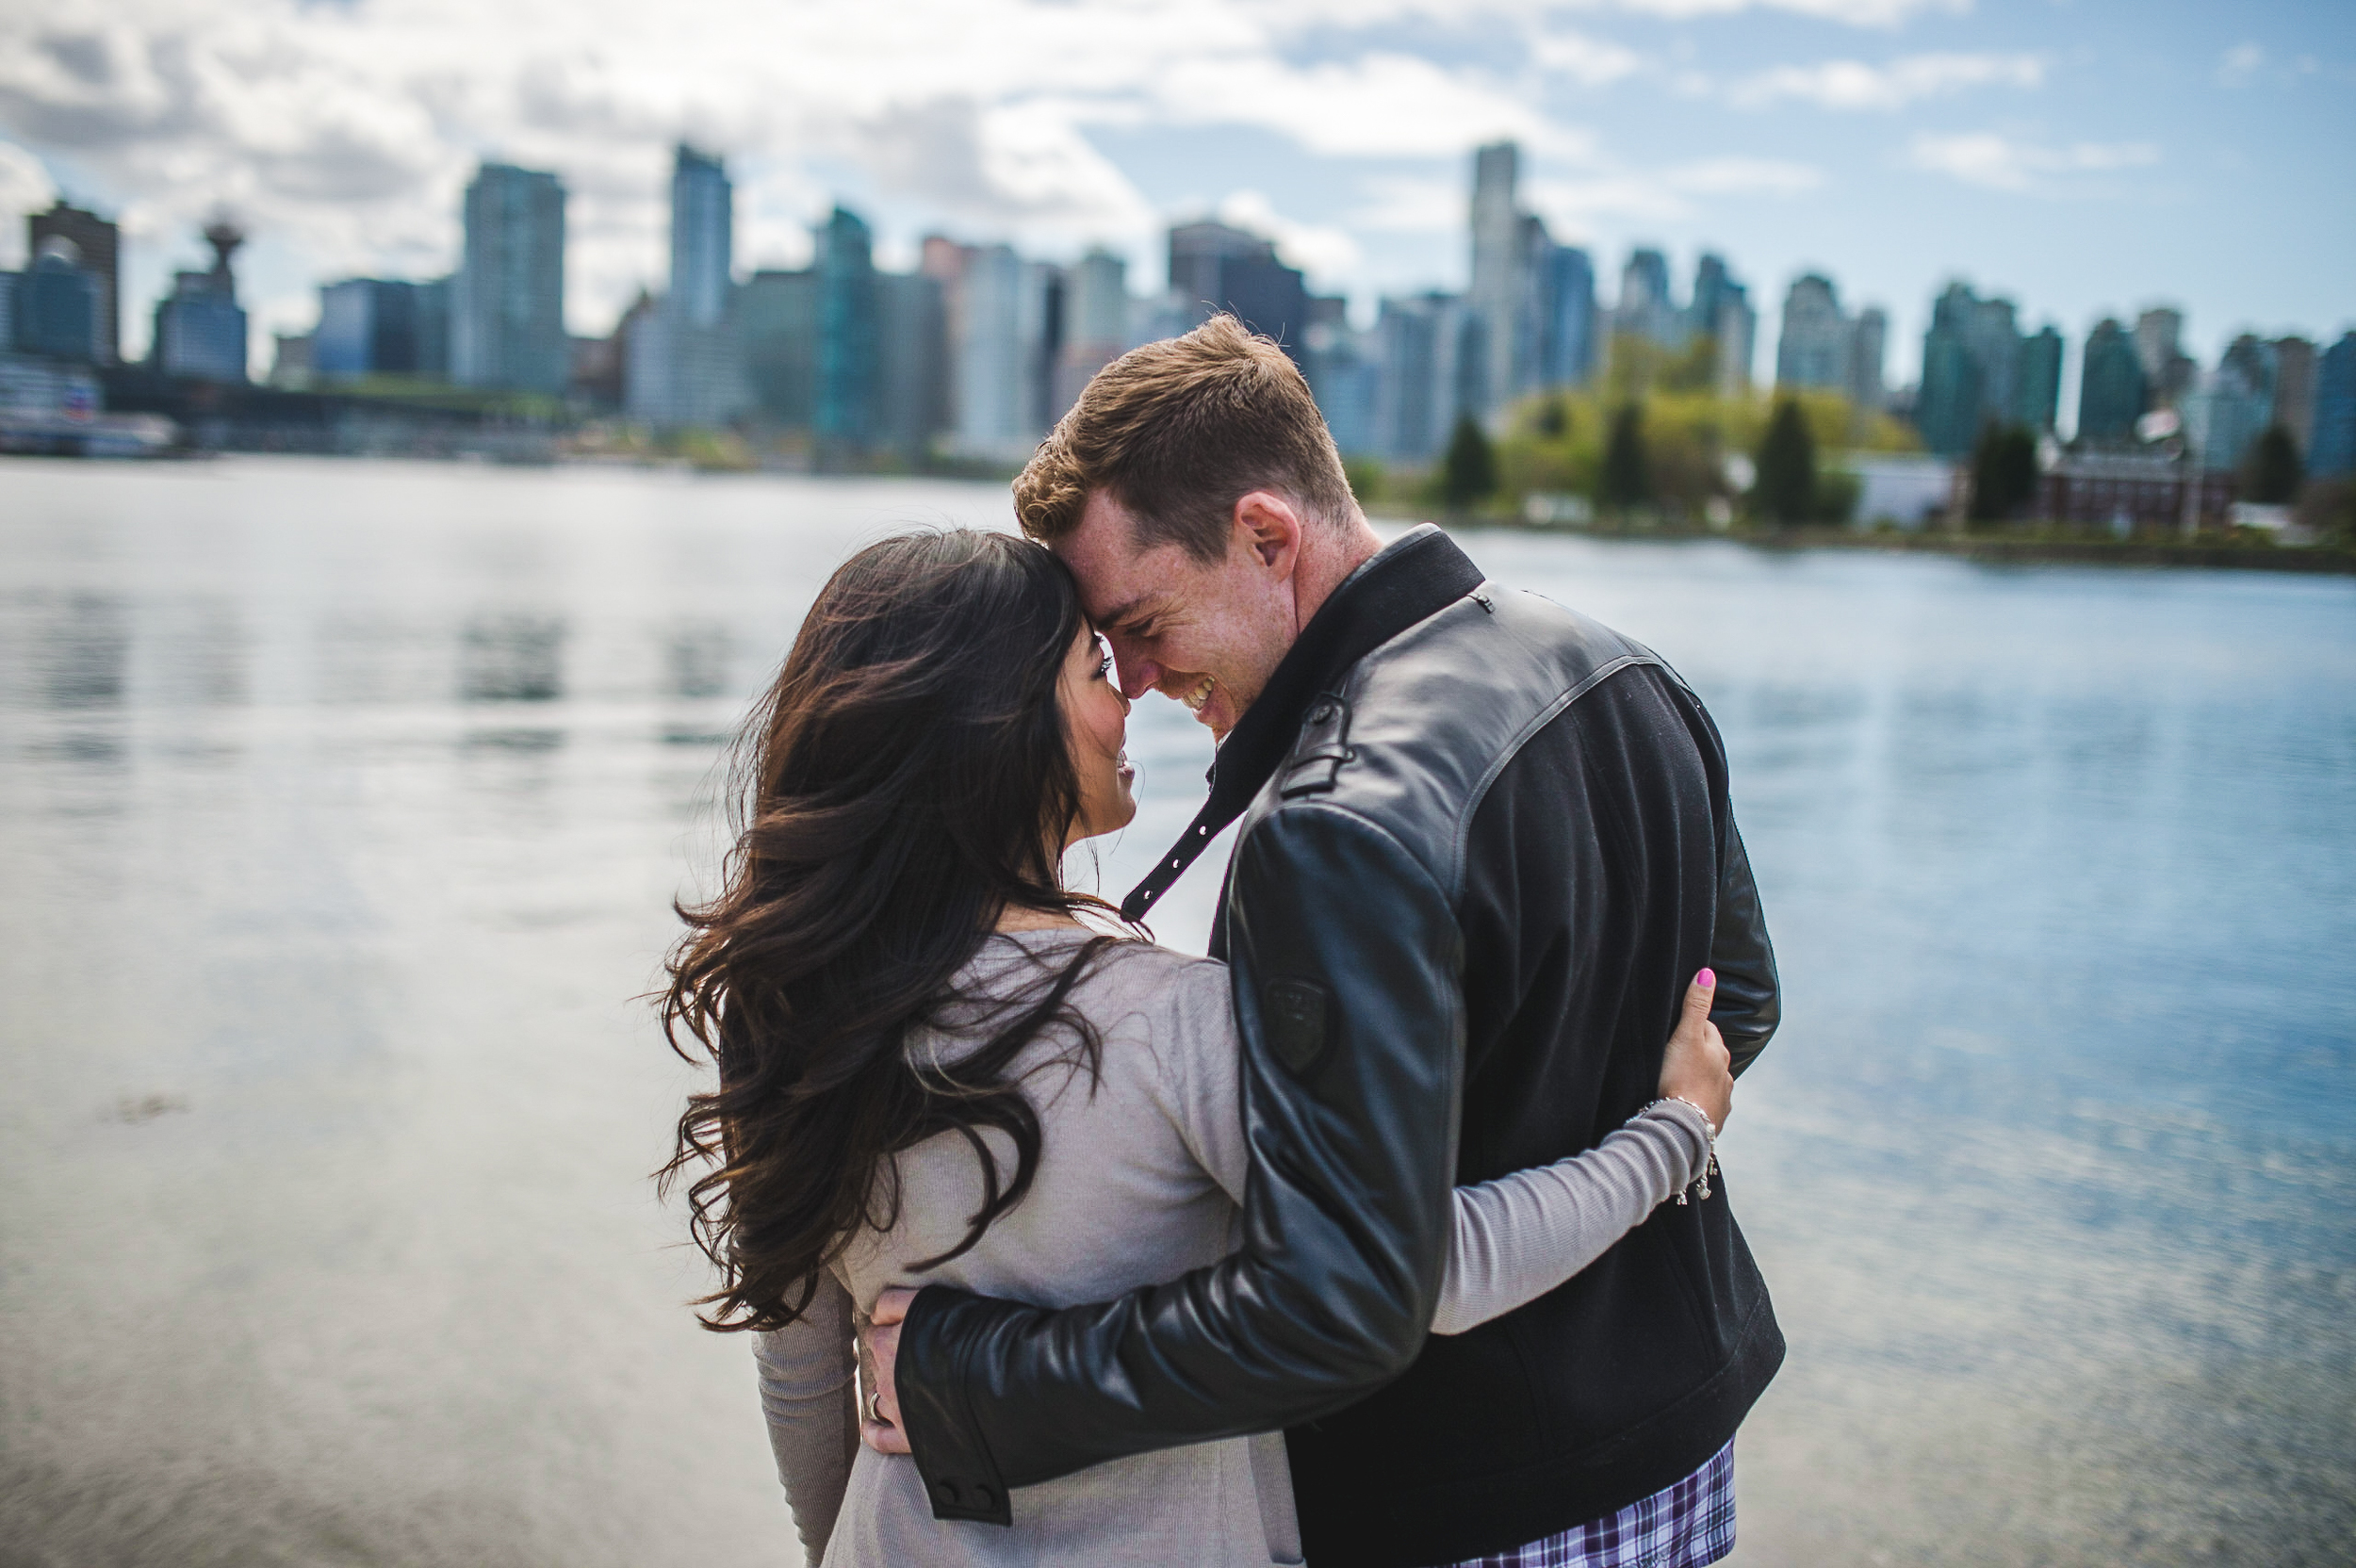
(1175, 432)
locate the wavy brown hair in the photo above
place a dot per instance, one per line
(906, 780)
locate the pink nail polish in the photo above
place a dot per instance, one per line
(1706, 980)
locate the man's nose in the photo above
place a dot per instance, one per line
(1137, 676)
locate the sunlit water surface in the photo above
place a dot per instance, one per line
(340, 809)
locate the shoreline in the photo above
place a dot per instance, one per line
(2317, 559)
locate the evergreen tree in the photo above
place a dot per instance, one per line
(2003, 473)
(1784, 491)
(1469, 471)
(2272, 473)
(1627, 477)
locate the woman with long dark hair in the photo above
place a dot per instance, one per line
(938, 1064)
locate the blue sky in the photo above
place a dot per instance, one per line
(2079, 158)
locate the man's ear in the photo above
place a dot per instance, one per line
(1270, 527)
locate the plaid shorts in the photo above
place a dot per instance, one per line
(1682, 1526)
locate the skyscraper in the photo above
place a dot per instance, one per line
(2295, 389)
(703, 237)
(368, 326)
(2036, 398)
(1971, 369)
(1570, 351)
(845, 262)
(993, 346)
(1421, 340)
(507, 311)
(1095, 323)
(1869, 336)
(97, 246)
(200, 328)
(2333, 451)
(1814, 346)
(1645, 309)
(2112, 391)
(911, 378)
(54, 305)
(777, 320)
(2251, 361)
(2167, 371)
(1217, 268)
(1500, 267)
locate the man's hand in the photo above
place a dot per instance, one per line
(878, 1348)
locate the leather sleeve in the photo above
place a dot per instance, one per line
(1347, 967)
(1749, 1002)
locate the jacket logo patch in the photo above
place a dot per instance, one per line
(1295, 1014)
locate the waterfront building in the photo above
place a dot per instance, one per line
(2250, 360)
(2168, 372)
(2226, 411)
(777, 320)
(1820, 345)
(1971, 369)
(54, 306)
(2037, 403)
(1569, 354)
(2112, 390)
(96, 247)
(1906, 489)
(432, 300)
(1501, 292)
(1346, 378)
(844, 410)
(290, 361)
(1645, 309)
(911, 381)
(994, 340)
(200, 329)
(2333, 451)
(1219, 268)
(507, 305)
(1721, 311)
(2129, 491)
(683, 361)
(368, 326)
(1431, 349)
(1095, 324)
(2295, 389)
(7, 310)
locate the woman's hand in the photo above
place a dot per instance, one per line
(1697, 1067)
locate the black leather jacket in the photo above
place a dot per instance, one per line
(1485, 843)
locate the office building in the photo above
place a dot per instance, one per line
(96, 247)
(1216, 268)
(1822, 345)
(844, 412)
(1645, 309)
(993, 344)
(2037, 401)
(54, 306)
(1346, 378)
(2113, 392)
(1970, 370)
(703, 238)
(2333, 451)
(1500, 270)
(1721, 311)
(683, 361)
(1569, 353)
(368, 327)
(290, 361)
(777, 321)
(507, 305)
(1095, 324)
(2295, 389)
(2168, 372)
(434, 306)
(2227, 410)
(200, 329)
(912, 385)
(2249, 359)
(1434, 355)
(7, 310)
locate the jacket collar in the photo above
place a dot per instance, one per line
(1411, 578)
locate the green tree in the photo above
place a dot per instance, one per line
(1784, 491)
(2003, 473)
(1627, 477)
(2272, 473)
(1469, 471)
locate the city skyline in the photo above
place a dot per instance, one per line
(1894, 145)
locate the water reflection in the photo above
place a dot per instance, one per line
(698, 661)
(87, 649)
(512, 658)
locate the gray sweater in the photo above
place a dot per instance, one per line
(1140, 1179)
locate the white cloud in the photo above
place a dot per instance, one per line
(1410, 203)
(1856, 14)
(25, 187)
(1325, 252)
(1743, 176)
(1377, 105)
(1855, 84)
(1998, 162)
(2239, 66)
(1590, 62)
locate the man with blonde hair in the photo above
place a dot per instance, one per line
(1486, 841)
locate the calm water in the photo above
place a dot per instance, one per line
(339, 809)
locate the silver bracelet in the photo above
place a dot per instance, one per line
(1700, 1187)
